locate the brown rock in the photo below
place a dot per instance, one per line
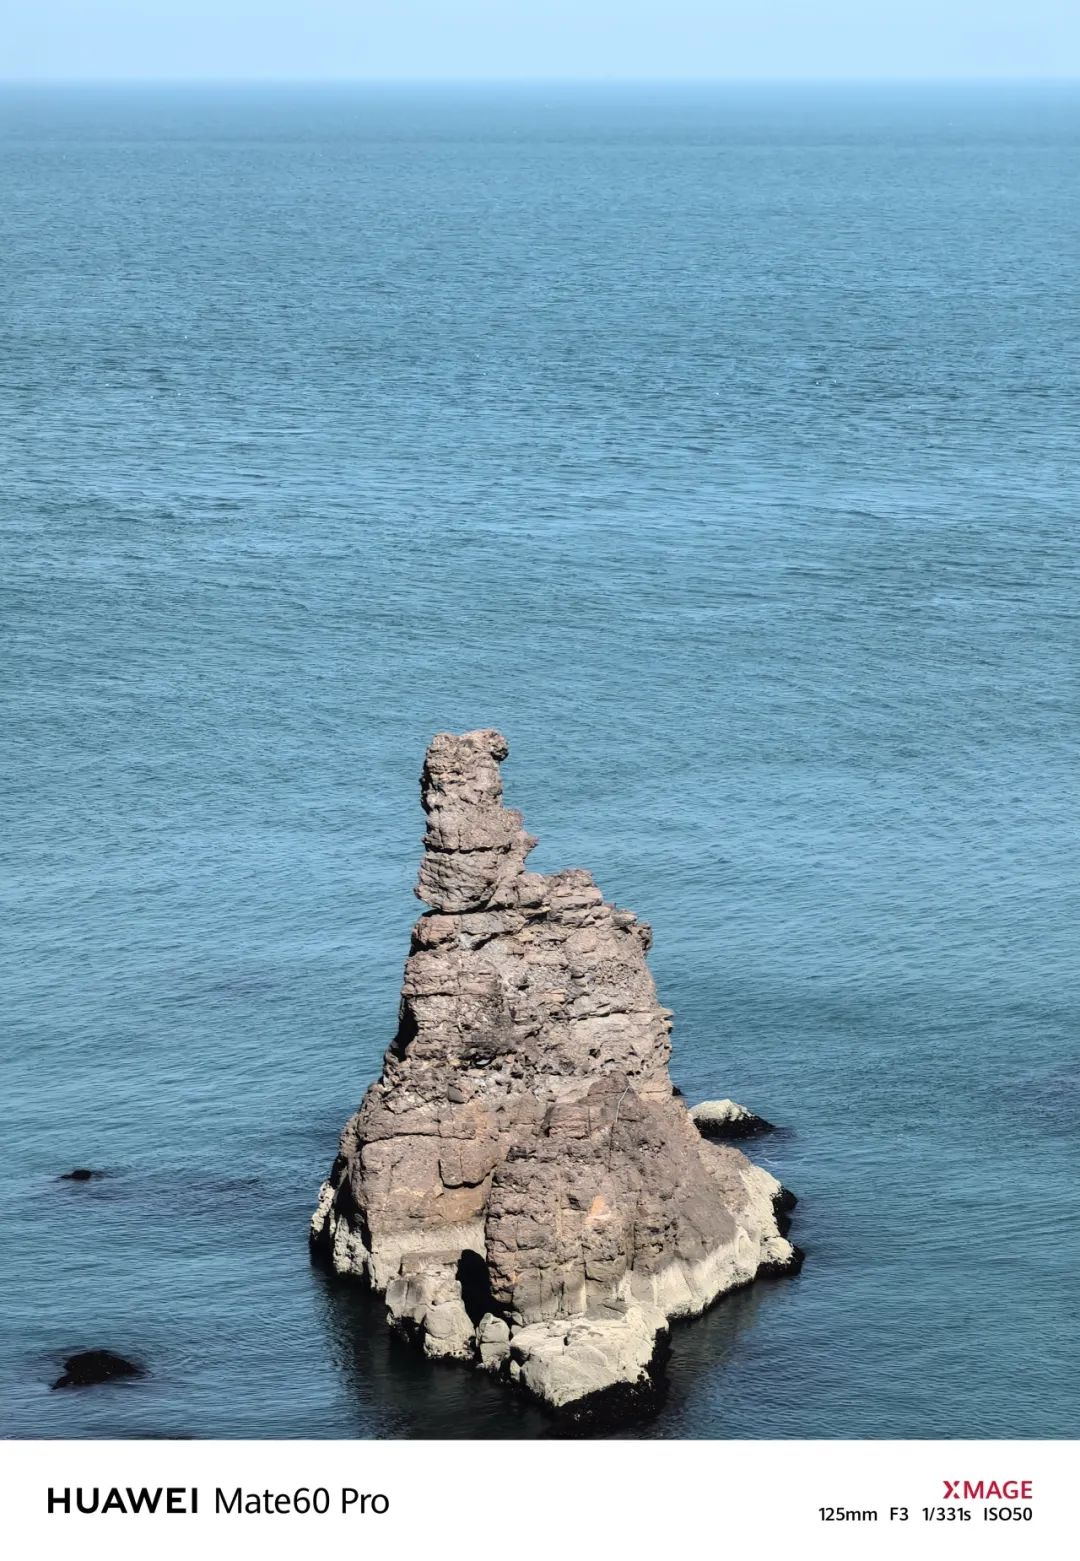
(521, 1182)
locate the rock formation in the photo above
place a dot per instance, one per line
(90, 1367)
(522, 1184)
(727, 1119)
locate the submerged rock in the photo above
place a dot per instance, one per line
(726, 1119)
(94, 1366)
(522, 1184)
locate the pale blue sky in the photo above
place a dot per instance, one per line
(503, 39)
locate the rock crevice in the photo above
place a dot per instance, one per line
(522, 1183)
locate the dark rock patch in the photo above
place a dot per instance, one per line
(783, 1204)
(783, 1268)
(726, 1121)
(90, 1367)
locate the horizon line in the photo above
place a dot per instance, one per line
(1030, 79)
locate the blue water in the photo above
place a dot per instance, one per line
(717, 444)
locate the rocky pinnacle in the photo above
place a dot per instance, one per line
(522, 1184)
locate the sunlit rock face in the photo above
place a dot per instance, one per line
(522, 1183)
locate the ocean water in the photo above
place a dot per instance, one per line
(717, 444)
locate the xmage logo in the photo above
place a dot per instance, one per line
(988, 1490)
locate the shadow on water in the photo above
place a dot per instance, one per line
(700, 1350)
(395, 1388)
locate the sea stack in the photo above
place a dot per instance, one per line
(522, 1184)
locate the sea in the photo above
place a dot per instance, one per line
(717, 443)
